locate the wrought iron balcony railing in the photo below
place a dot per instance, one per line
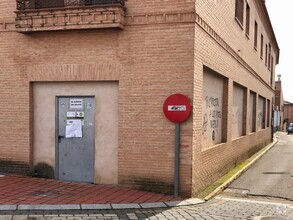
(54, 15)
(43, 4)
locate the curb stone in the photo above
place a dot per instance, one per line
(125, 206)
(187, 202)
(48, 207)
(8, 207)
(95, 206)
(153, 205)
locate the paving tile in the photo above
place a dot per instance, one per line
(143, 198)
(5, 217)
(194, 201)
(154, 198)
(19, 217)
(177, 203)
(35, 216)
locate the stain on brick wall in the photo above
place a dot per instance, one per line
(14, 167)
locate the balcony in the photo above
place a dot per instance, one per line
(53, 15)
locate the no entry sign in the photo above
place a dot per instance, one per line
(177, 108)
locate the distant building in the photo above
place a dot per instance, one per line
(83, 85)
(288, 113)
(279, 124)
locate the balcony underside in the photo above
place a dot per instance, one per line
(60, 16)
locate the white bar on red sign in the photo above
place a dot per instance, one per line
(176, 108)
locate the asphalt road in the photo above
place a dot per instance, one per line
(272, 175)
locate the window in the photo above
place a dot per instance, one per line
(239, 111)
(255, 34)
(214, 108)
(261, 113)
(272, 71)
(266, 58)
(252, 112)
(239, 8)
(268, 113)
(247, 20)
(269, 57)
(261, 46)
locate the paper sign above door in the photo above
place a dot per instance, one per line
(76, 103)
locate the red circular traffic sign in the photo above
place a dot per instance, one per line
(177, 108)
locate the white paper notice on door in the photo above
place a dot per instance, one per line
(74, 129)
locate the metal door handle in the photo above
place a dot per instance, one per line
(59, 138)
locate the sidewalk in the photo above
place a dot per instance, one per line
(24, 193)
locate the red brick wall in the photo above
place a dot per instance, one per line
(221, 45)
(150, 61)
(154, 71)
(161, 51)
(288, 112)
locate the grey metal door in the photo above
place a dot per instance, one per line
(75, 139)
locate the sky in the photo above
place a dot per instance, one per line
(281, 16)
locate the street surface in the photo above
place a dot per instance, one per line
(272, 175)
(264, 192)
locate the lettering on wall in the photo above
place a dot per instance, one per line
(212, 117)
(212, 108)
(260, 120)
(261, 113)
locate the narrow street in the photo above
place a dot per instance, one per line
(271, 176)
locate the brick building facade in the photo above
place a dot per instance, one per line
(288, 113)
(127, 57)
(279, 123)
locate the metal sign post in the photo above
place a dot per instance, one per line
(177, 108)
(176, 159)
